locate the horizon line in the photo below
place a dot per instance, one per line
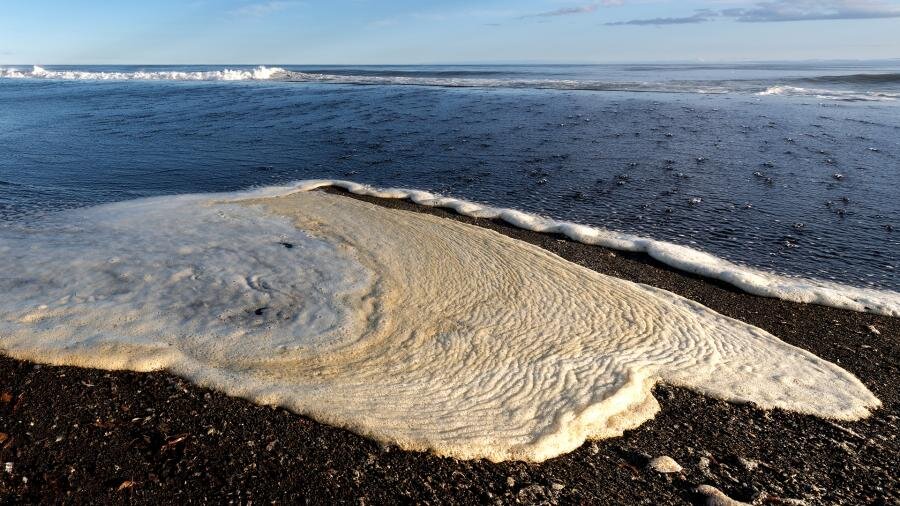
(474, 63)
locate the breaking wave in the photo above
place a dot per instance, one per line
(446, 79)
(866, 87)
(260, 73)
(831, 94)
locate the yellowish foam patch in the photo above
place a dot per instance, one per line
(414, 330)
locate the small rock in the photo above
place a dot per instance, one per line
(532, 494)
(703, 464)
(665, 465)
(748, 464)
(558, 486)
(127, 484)
(715, 497)
(510, 482)
(874, 330)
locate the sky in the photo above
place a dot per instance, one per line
(48, 32)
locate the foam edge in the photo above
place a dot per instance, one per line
(682, 258)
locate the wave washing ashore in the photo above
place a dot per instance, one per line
(679, 257)
(792, 185)
(849, 82)
(415, 330)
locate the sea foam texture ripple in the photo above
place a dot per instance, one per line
(414, 330)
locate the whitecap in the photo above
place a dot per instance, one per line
(260, 73)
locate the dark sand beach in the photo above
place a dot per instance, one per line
(77, 435)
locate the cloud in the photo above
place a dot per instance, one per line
(813, 10)
(565, 11)
(581, 9)
(782, 11)
(258, 10)
(699, 17)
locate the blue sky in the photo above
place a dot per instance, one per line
(443, 31)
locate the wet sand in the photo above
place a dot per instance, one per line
(86, 435)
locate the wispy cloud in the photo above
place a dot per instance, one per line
(813, 10)
(565, 11)
(260, 9)
(699, 17)
(782, 11)
(578, 9)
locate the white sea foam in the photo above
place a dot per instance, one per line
(277, 73)
(412, 329)
(258, 74)
(829, 94)
(747, 279)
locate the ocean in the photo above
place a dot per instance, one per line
(789, 168)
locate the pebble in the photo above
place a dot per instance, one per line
(748, 464)
(874, 330)
(665, 465)
(715, 497)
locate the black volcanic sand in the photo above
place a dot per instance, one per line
(78, 435)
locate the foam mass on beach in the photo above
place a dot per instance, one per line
(417, 331)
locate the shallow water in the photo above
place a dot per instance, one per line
(801, 184)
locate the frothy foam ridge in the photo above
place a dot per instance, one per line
(260, 73)
(747, 279)
(827, 94)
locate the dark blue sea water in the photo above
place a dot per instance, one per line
(794, 168)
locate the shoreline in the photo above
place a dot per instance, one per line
(95, 435)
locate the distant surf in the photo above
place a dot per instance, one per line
(831, 94)
(260, 73)
(881, 87)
